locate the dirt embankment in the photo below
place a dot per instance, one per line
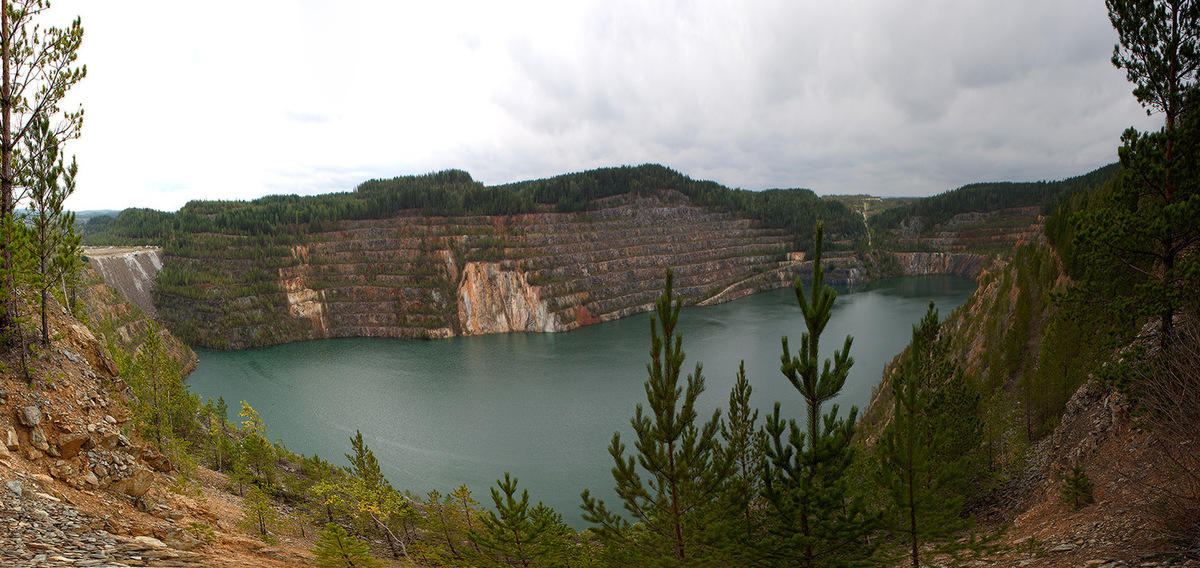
(78, 487)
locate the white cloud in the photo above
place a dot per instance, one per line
(224, 99)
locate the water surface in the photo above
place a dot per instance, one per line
(544, 406)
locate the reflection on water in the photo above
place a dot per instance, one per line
(543, 406)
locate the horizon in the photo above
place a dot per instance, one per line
(818, 194)
(874, 97)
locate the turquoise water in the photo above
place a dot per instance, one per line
(544, 406)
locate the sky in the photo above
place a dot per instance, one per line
(235, 99)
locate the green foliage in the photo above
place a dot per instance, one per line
(337, 549)
(677, 509)
(1144, 231)
(512, 534)
(984, 197)
(363, 464)
(258, 516)
(163, 408)
(745, 442)
(919, 466)
(1076, 489)
(39, 69)
(370, 500)
(54, 246)
(813, 519)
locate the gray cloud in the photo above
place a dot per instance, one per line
(883, 97)
(888, 97)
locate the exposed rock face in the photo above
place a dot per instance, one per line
(30, 416)
(417, 276)
(107, 309)
(957, 264)
(129, 270)
(492, 299)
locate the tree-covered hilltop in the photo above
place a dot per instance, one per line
(985, 197)
(455, 193)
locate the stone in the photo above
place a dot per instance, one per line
(149, 541)
(62, 470)
(37, 438)
(156, 460)
(180, 539)
(135, 486)
(15, 487)
(1064, 547)
(30, 416)
(11, 441)
(109, 440)
(90, 479)
(71, 444)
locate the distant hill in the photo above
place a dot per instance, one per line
(985, 197)
(455, 193)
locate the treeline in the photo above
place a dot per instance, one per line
(984, 197)
(455, 193)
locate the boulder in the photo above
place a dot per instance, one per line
(110, 440)
(180, 539)
(11, 441)
(37, 438)
(156, 460)
(149, 542)
(90, 480)
(71, 444)
(30, 416)
(61, 470)
(135, 486)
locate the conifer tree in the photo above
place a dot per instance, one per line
(258, 516)
(373, 503)
(364, 465)
(37, 69)
(814, 520)
(53, 244)
(676, 506)
(916, 477)
(745, 442)
(511, 533)
(1076, 488)
(164, 409)
(1144, 232)
(337, 549)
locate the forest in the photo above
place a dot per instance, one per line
(983, 197)
(453, 193)
(1110, 300)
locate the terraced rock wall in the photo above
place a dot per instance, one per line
(416, 276)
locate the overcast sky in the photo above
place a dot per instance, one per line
(237, 99)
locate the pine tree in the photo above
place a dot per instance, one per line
(1077, 488)
(164, 409)
(1145, 230)
(511, 533)
(37, 69)
(373, 503)
(923, 509)
(745, 442)
(364, 465)
(258, 515)
(53, 244)
(676, 507)
(813, 520)
(337, 549)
